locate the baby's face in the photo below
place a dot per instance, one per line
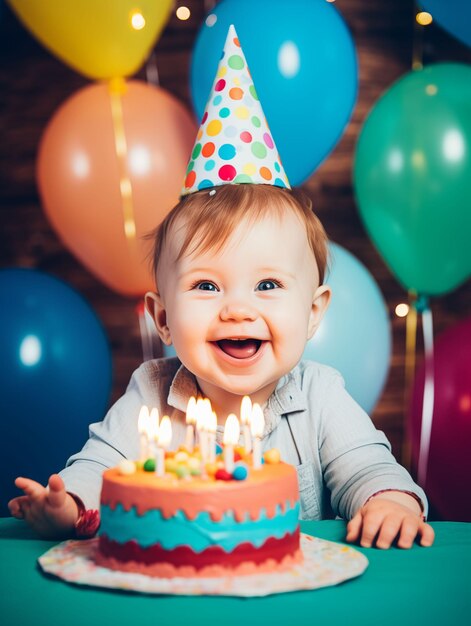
(239, 318)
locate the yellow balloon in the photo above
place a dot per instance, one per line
(99, 38)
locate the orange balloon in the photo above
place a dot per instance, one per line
(80, 176)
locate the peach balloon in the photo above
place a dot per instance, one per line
(80, 176)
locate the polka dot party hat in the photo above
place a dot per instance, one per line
(234, 144)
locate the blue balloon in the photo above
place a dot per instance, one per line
(55, 376)
(453, 15)
(303, 62)
(355, 334)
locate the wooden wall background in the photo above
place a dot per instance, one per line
(33, 84)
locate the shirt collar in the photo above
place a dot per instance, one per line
(286, 399)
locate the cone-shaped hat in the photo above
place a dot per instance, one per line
(234, 144)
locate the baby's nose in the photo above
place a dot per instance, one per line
(238, 310)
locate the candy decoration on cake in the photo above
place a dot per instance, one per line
(234, 144)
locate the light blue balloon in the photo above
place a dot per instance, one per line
(355, 335)
(303, 63)
(55, 375)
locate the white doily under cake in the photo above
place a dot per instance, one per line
(325, 563)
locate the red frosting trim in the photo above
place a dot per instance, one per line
(275, 550)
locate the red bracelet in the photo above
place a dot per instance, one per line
(88, 521)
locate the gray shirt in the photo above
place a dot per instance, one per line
(340, 457)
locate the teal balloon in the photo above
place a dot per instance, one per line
(412, 177)
(355, 334)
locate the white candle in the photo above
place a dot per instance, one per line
(245, 416)
(257, 425)
(152, 432)
(212, 426)
(142, 427)
(230, 439)
(190, 424)
(164, 438)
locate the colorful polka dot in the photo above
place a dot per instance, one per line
(277, 166)
(209, 165)
(268, 140)
(191, 165)
(222, 71)
(190, 179)
(196, 151)
(219, 86)
(214, 128)
(205, 117)
(224, 112)
(243, 178)
(227, 152)
(227, 172)
(256, 121)
(265, 173)
(245, 136)
(249, 168)
(236, 42)
(242, 113)
(236, 93)
(259, 150)
(208, 149)
(279, 183)
(199, 135)
(217, 100)
(204, 184)
(253, 92)
(236, 62)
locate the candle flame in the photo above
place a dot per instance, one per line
(200, 413)
(143, 420)
(245, 410)
(165, 432)
(257, 423)
(231, 430)
(212, 422)
(191, 412)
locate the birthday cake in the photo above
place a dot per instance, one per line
(199, 525)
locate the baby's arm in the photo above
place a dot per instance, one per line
(387, 516)
(50, 511)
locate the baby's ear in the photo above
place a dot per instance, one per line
(156, 308)
(320, 304)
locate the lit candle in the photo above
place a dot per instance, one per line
(163, 441)
(203, 407)
(257, 425)
(152, 432)
(230, 439)
(245, 415)
(142, 427)
(190, 424)
(212, 426)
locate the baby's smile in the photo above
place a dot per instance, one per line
(239, 348)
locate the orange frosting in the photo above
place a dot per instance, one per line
(146, 491)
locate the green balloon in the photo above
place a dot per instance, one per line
(412, 177)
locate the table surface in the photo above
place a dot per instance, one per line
(418, 586)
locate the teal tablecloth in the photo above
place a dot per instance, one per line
(400, 587)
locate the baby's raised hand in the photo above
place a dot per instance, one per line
(382, 520)
(50, 510)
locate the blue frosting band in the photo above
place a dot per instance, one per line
(200, 533)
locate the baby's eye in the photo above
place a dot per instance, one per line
(205, 285)
(267, 285)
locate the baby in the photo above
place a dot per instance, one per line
(240, 289)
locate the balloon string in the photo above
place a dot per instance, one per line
(411, 335)
(147, 331)
(152, 71)
(429, 393)
(117, 87)
(417, 42)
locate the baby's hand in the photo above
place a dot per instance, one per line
(50, 511)
(385, 520)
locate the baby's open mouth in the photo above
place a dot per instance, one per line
(240, 348)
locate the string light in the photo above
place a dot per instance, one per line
(183, 13)
(137, 21)
(402, 309)
(423, 18)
